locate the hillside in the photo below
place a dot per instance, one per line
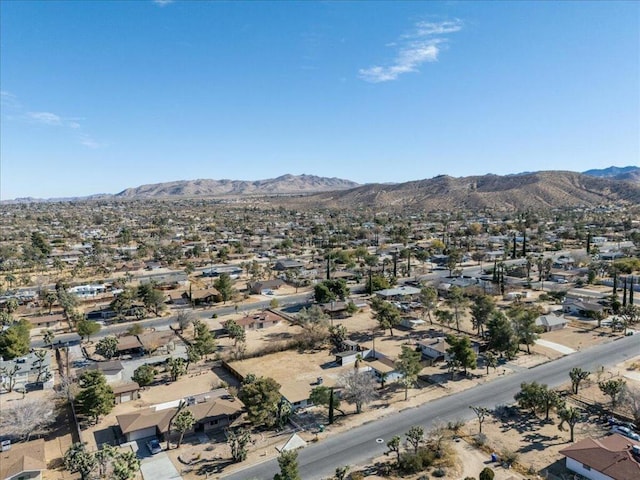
(538, 190)
(629, 173)
(283, 185)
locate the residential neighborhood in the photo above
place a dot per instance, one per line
(171, 352)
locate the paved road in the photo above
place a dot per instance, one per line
(358, 445)
(297, 300)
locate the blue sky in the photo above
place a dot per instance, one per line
(101, 96)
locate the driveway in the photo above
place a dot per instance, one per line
(158, 467)
(555, 346)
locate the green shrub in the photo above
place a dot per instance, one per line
(415, 463)
(439, 472)
(486, 474)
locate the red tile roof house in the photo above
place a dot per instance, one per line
(614, 457)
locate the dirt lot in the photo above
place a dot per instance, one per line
(529, 436)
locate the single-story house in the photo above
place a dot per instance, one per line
(581, 307)
(28, 368)
(53, 321)
(231, 270)
(349, 352)
(551, 322)
(126, 392)
(288, 264)
(212, 411)
(614, 457)
(411, 323)
(380, 366)
(88, 291)
(129, 345)
(23, 461)
(399, 293)
(565, 276)
(264, 286)
(335, 309)
(206, 296)
(101, 314)
(564, 261)
(176, 297)
(258, 321)
(112, 370)
(435, 349)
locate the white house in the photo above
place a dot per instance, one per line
(609, 458)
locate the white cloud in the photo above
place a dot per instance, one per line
(419, 46)
(47, 118)
(89, 142)
(8, 99)
(162, 3)
(67, 124)
(438, 28)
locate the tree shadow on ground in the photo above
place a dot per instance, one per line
(360, 337)
(521, 422)
(212, 466)
(277, 336)
(539, 442)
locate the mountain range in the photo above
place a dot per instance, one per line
(283, 185)
(544, 189)
(536, 190)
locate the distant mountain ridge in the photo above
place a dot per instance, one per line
(537, 190)
(546, 189)
(283, 185)
(620, 173)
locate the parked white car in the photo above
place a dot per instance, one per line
(627, 432)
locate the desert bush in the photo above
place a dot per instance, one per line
(509, 457)
(486, 474)
(414, 463)
(479, 439)
(439, 472)
(455, 425)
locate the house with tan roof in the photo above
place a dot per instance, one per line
(213, 411)
(258, 321)
(614, 457)
(23, 461)
(205, 296)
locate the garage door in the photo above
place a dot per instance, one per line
(144, 433)
(125, 397)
